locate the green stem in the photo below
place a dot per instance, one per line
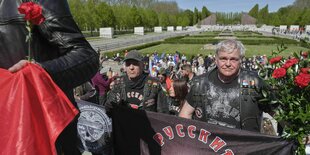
(29, 47)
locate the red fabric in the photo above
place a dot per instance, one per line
(168, 82)
(34, 111)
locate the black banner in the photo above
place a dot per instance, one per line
(138, 132)
(94, 128)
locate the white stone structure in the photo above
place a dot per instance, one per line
(307, 28)
(179, 28)
(294, 28)
(266, 28)
(283, 27)
(170, 28)
(139, 30)
(106, 32)
(158, 29)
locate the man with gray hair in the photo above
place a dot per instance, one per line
(227, 95)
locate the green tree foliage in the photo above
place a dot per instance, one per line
(122, 16)
(296, 14)
(150, 19)
(91, 22)
(274, 19)
(263, 15)
(228, 18)
(190, 15)
(183, 19)
(205, 13)
(305, 18)
(172, 20)
(293, 17)
(78, 12)
(135, 18)
(254, 11)
(137, 3)
(196, 16)
(105, 16)
(164, 19)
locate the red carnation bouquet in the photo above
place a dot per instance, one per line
(289, 79)
(33, 16)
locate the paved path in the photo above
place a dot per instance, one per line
(105, 44)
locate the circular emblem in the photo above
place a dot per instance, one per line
(94, 127)
(198, 112)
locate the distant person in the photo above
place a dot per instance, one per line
(187, 73)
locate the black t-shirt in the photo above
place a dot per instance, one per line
(134, 96)
(220, 102)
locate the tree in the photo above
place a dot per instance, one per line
(91, 22)
(196, 16)
(151, 18)
(183, 19)
(263, 15)
(105, 14)
(283, 14)
(78, 13)
(305, 18)
(274, 19)
(254, 11)
(189, 15)
(172, 20)
(205, 13)
(136, 18)
(122, 16)
(163, 19)
(294, 16)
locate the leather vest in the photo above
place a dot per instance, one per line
(250, 112)
(151, 92)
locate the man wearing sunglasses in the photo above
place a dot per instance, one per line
(136, 89)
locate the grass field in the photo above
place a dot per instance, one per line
(194, 49)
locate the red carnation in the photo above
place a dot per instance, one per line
(32, 11)
(290, 63)
(275, 59)
(304, 54)
(278, 73)
(305, 70)
(302, 80)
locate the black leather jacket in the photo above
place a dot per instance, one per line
(250, 108)
(57, 45)
(152, 91)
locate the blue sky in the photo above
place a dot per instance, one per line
(232, 5)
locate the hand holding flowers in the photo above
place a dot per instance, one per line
(33, 16)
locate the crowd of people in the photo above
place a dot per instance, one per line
(222, 89)
(201, 88)
(167, 83)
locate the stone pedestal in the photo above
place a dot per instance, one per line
(106, 32)
(139, 31)
(170, 28)
(158, 29)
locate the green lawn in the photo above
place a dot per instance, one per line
(194, 49)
